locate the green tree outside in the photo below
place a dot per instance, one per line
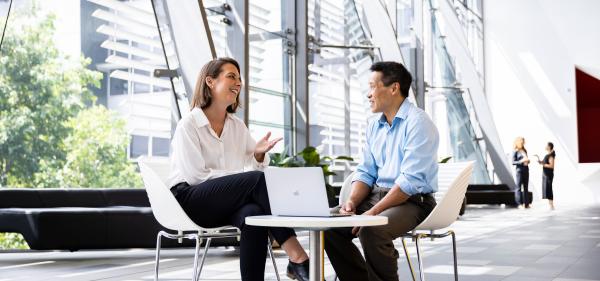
(97, 155)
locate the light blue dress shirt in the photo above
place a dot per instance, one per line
(404, 153)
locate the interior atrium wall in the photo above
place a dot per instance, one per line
(531, 51)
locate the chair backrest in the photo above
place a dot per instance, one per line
(453, 179)
(165, 207)
(160, 167)
(346, 188)
(447, 173)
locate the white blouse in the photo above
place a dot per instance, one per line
(198, 154)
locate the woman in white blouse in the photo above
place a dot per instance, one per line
(216, 175)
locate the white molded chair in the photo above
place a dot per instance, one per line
(169, 214)
(453, 179)
(346, 189)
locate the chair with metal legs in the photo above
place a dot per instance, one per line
(453, 179)
(170, 215)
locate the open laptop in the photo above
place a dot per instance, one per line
(298, 192)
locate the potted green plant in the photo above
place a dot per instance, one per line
(309, 157)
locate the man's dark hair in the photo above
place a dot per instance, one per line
(551, 145)
(392, 72)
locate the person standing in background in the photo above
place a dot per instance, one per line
(521, 161)
(548, 175)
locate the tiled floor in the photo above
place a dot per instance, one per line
(493, 244)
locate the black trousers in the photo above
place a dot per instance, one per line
(547, 192)
(229, 200)
(522, 181)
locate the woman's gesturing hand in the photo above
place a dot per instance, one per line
(263, 146)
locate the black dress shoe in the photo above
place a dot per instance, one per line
(298, 271)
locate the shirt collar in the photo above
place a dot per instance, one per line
(201, 118)
(402, 112)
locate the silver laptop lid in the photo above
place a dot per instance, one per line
(297, 191)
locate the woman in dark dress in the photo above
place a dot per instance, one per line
(521, 161)
(548, 166)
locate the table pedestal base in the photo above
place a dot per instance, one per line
(316, 255)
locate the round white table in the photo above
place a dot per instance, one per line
(316, 226)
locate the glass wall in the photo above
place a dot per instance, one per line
(121, 42)
(470, 15)
(269, 91)
(339, 57)
(217, 23)
(339, 71)
(405, 31)
(128, 52)
(269, 86)
(449, 105)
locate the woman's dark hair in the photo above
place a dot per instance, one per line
(551, 145)
(202, 94)
(392, 72)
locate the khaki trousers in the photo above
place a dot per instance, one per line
(381, 257)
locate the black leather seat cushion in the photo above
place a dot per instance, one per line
(73, 219)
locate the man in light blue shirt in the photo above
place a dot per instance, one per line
(396, 179)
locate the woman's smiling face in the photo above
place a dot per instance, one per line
(226, 87)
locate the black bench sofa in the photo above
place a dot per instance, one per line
(492, 194)
(74, 219)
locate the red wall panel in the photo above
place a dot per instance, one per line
(588, 116)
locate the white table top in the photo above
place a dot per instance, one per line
(316, 222)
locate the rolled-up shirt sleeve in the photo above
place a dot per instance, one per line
(420, 154)
(366, 171)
